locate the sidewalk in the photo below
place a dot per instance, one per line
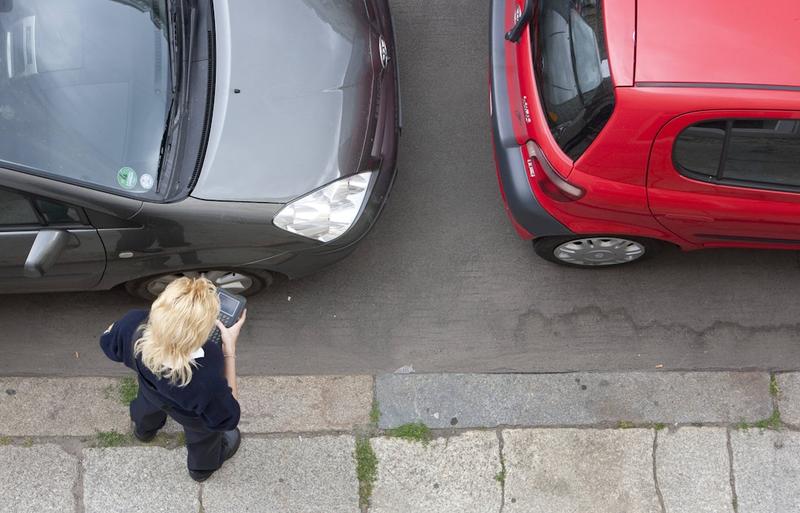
(660, 442)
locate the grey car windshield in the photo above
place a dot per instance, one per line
(85, 90)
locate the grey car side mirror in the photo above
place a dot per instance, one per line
(46, 249)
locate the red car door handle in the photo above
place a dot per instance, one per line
(690, 218)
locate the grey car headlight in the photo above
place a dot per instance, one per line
(326, 213)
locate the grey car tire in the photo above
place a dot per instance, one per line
(241, 282)
(596, 251)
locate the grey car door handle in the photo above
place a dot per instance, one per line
(46, 249)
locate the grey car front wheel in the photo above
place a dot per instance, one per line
(245, 283)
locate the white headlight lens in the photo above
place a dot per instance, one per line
(327, 213)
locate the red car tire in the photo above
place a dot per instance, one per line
(595, 251)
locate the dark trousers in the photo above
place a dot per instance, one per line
(204, 447)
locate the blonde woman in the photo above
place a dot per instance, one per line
(181, 373)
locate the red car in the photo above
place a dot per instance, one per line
(621, 125)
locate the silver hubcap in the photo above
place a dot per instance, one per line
(230, 281)
(599, 251)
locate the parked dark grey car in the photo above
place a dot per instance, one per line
(141, 140)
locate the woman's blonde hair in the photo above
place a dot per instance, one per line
(180, 322)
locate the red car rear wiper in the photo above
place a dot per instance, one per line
(525, 17)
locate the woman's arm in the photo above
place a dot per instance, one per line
(229, 338)
(230, 375)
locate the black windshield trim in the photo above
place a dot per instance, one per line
(209, 107)
(180, 37)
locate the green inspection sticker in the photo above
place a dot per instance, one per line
(126, 178)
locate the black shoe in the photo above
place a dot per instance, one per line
(230, 444)
(200, 475)
(144, 436)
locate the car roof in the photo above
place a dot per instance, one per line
(718, 42)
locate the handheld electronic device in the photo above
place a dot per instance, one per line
(231, 307)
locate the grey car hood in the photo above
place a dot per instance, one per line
(304, 72)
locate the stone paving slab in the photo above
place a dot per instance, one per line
(766, 466)
(304, 403)
(280, 475)
(579, 470)
(456, 475)
(283, 404)
(490, 400)
(693, 470)
(137, 479)
(789, 397)
(37, 479)
(60, 407)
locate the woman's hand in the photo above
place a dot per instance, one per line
(231, 335)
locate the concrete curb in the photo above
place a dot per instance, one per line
(574, 399)
(81, 407)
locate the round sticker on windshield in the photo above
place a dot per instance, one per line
(126, 178)
(147, 181)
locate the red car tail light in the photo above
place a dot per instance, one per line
(548, 179)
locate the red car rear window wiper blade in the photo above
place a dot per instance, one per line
(525, 17)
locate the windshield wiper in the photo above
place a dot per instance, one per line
(180, 44)
(515, 33)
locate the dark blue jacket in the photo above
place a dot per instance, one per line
(207, 395)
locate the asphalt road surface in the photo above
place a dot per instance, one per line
(444, 284)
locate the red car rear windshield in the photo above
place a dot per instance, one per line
(572, 73)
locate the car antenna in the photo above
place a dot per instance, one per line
(524, 18)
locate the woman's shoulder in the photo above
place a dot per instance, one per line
(137, 315)
(133, 319)
(116, 341)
